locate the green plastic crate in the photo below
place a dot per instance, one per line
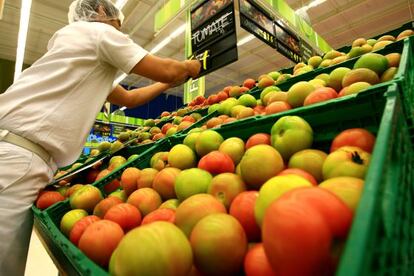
(381, 241)
(398, 47)
(405, 78)
(395, 33)
(377, 111)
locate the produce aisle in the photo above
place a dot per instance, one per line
(235, 171)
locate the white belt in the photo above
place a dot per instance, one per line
(20, 141)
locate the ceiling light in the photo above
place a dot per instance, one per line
(21, 40)
(312, 4)
(120, 4)
(1, 8)
(245, 39)
(123, 108)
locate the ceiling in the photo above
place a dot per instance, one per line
(338, 21)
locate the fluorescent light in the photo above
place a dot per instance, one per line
(2, 8)
(245, 39)
(123, 108)
(120, 4)
(312, 4)
(168, 39)
(21, 40)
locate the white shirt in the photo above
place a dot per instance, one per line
(55, 101)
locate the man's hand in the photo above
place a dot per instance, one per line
(193, 67)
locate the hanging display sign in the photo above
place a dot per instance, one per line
(287, 43)
(213, 34)
(306, 51)
(256, 21)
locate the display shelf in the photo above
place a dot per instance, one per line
(379, 112)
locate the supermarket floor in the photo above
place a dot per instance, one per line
(38, 261)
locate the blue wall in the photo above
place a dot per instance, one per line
(153, 109)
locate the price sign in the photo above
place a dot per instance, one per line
(213, 34)
(256, 21)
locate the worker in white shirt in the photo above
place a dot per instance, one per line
(46, 115)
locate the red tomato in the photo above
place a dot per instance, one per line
(188, 119)
(216, 162)
(48, 198)
(212, 99)
(125, 214)
(165, 114)
(214, 122)
(79, 227)
(104, 205)
(296, 239)
(335, 212)
(301, 173)
(249, 83)
(222, 96)
(321, 94)
(276, 107)
(166, 127)
(258, 139)
(242, 208)
(99, 240)
(256, 262)
(164, 214)
(357, 137)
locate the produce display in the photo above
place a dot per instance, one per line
(209, 197)
(274, 202)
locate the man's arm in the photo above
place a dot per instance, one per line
(167, 70)
(136, 97)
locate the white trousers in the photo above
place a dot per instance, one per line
(22, 175)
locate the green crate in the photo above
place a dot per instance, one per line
(381, 241)
(398, 47)
(395, 33)
(67, 257)
(405, 78)
(376, 111)
(126, 152)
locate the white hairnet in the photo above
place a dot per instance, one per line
(87, 10)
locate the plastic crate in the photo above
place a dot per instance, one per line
(376, 111)
(381, 241)
(395, 33)
(398, 47)
(405, 78)
(66, 256)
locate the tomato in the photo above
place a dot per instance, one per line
(256, 262)
(163, 214)
(296, 238)
(48, 198)
(301, 173)
(80, 226)
(242, 208)
(357, 137)
(99, 241)
(125, 214)
(216, 162)
(257, 139)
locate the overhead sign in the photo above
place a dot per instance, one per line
(306, 50)
(256, 21)
(287, 43)
(213, 34)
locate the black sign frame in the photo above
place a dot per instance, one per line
(265, 34)
(287, 43)
(214, 41)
